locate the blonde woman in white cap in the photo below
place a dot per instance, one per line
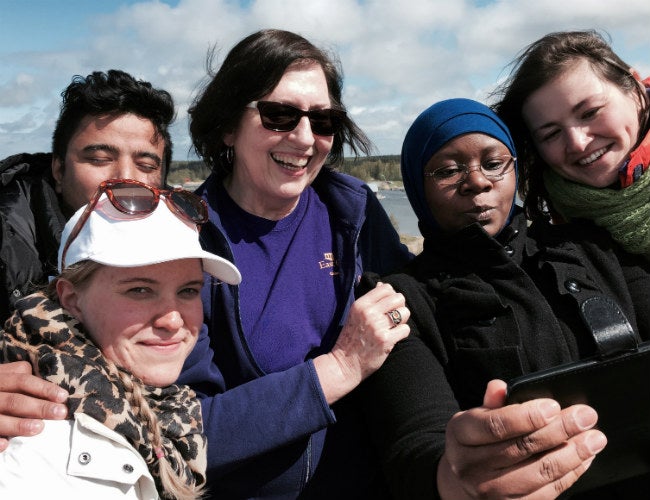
(114, 329)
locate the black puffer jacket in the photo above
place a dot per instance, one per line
(485, 308)
(31, 223)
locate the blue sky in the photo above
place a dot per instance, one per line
(398, 57)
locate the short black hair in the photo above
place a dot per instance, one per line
(113, 92)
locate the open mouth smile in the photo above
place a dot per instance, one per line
(592, 157)
(293, 163)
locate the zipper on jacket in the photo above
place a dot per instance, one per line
(308, 462)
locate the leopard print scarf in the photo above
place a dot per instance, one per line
(55, 343)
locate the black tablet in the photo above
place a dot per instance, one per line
(618, 388)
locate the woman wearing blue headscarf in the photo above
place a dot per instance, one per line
(491, 299)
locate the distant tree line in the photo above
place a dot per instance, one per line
(368, 168)
(374, 168)
(181, 172)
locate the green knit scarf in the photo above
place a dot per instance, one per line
(625, 213)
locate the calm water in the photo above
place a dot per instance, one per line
(397, 205)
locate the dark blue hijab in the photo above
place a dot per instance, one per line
(436, 126)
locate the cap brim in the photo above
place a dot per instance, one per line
(221, 269)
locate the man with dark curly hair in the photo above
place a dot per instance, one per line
(110, 126)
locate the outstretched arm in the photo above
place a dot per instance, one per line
(430, 450)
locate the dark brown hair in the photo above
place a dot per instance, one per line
(538, 64)
(251, 70)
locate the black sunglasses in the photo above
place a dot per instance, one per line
(284, 118)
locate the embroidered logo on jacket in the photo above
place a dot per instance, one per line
(328, 262)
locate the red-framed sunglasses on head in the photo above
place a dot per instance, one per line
(133, 197)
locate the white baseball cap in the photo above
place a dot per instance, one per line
(115, 239)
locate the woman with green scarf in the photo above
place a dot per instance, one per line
(579, 119)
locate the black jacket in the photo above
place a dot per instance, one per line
(31, 223)
(485, 308)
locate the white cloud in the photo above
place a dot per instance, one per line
(398, 57)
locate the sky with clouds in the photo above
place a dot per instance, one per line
(398, 56)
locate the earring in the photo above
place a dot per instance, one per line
(230, 155)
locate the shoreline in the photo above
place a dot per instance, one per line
(413, 243)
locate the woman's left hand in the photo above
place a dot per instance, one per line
(376, 322)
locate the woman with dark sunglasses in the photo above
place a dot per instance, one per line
(491, 299)
(580, 117)
(114, 328)
(290, 342)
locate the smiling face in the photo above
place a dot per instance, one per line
(476, 199)
(271, 169)
(582, 125)
(145, 319)
(108, 147)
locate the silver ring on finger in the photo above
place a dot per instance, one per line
(395, 316)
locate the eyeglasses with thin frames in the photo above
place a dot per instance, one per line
(133, 197)
(281, 117)
(494, 169)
